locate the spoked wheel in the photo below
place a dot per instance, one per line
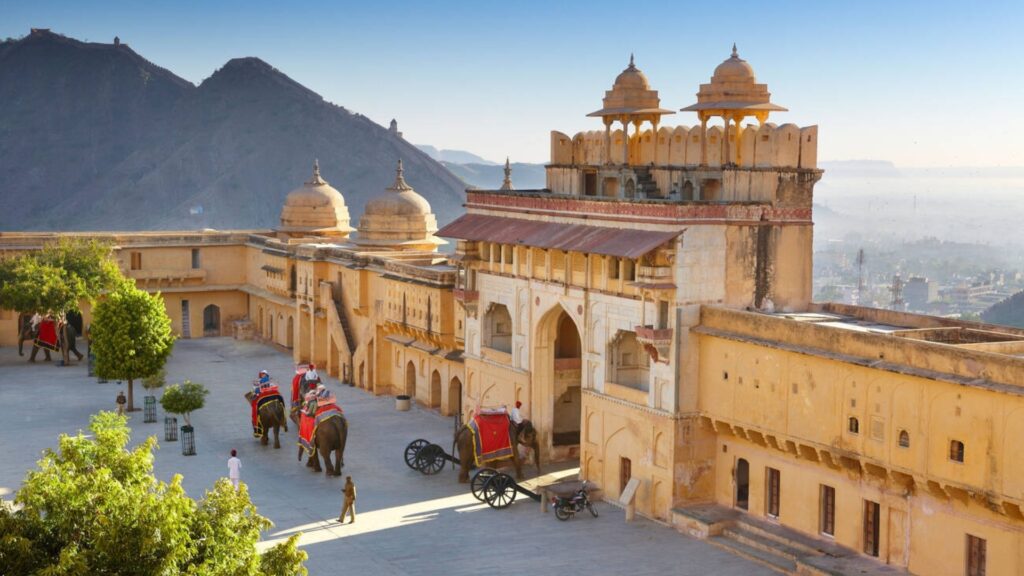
(430, 459)
(593, 511)
(411, 450)
(479, 480)
(500, 491)
(562, 513)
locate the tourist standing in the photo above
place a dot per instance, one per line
(121, 401)
(234, 468)
(349, 507)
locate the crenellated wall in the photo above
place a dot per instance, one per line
(765, 146)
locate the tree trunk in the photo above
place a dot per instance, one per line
(131, 396)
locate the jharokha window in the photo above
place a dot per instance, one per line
(956, 451)
(853, 425)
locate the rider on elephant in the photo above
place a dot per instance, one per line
(309, 406)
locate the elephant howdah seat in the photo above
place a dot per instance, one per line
(491, 438)
(309, 424)
(267, 396)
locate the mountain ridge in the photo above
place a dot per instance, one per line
(97, 137)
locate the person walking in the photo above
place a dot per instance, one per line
(121, 401)
(349, 507)
(234, 468)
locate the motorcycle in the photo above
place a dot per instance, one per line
(567, 507)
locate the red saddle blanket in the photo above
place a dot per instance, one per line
(47, 337)
(268, 395)
(309, 424)
(491, 439)
(296, 384)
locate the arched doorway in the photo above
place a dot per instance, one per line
(291, 332)
(259, 322)
(742, 484)
(362, 375)
(211, 320)
(455, 399)
(410, 380)
(435, 390)
(556, 392)
(270, 330)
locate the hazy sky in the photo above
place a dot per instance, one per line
(917, 83)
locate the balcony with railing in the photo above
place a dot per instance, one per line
(654, 277)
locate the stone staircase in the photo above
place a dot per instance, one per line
(774, 546)
(343, 320)
(646, 187)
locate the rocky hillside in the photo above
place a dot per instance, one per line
(93, 136)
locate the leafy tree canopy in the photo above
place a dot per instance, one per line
(94, 507)
(59, 277)
(184, 398)
(131, 335)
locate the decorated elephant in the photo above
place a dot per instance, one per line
(269, 414)
(523, 435)
(321, 435)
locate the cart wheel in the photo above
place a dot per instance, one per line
(479, 479)
(500, 491)
(411, 450)
(430, 459)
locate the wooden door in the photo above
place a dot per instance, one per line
(625, 473)
(871, 521)
(828, 510)
(774, 488)
(975, 556)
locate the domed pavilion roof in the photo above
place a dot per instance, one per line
(315, 209)
(734, 87)
(631, 95)
(398, 218)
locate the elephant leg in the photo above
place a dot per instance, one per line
(263, 437)
(338, 461)
(328, 467)
(301, 450)
(277, 440)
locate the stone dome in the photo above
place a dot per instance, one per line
(631, 95)
(631, 79)
(315, 209)
(735, 69)
(399, 218)
(733, 91)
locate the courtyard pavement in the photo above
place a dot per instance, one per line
(407, 523)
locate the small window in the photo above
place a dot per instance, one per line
(904, 439)
(507, 254)
(613, 268)
(725, 375)
(629, 270)
(195, 258)
(853, 425)
(956, 451)
(136, 261)
(773, 488)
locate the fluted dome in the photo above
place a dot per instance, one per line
(631, 95)
(315, 209)
(399, 218)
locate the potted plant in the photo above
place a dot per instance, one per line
(184, 399)
(151, 383)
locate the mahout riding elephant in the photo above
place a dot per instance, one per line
(526, 435)
(26, 332)
(331, 436)
(270, 415)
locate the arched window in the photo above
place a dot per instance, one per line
(853, 425)
(211, 320)
(904, 439)
(498, 328)
(956, 451)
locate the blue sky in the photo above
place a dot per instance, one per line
(916, 83)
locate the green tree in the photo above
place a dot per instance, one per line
(184, 399)
(58, 278)
(131, 336)
(94, 507)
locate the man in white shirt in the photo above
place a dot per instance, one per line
(515, 416)
(234, 468)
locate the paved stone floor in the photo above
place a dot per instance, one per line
(407, 523)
